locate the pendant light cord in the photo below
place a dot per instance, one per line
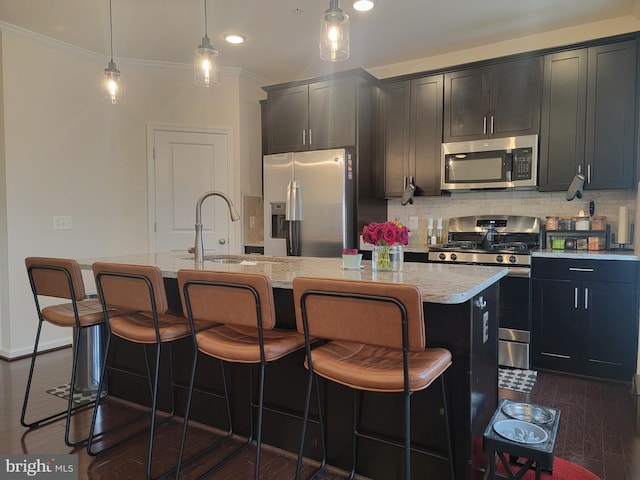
(111, 29)
(206, 32)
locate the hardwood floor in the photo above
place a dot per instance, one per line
(599, 429)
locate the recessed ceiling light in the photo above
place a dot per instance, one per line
(363, 5)
(234, 38)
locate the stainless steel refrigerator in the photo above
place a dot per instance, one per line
(316, 202)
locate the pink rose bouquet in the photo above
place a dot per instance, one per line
(384, 236)
(387, 233)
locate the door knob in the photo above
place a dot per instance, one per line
(222, 241)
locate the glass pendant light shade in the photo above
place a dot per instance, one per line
(205, 60)
(205, 64)
(112, 88)
(334, 34)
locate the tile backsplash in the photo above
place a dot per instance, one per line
(514, 202)
(252, 221)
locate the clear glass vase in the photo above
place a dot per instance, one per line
(387, 258)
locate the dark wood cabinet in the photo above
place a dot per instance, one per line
(611, 125)
(588, 117)
(318, 115)
(585, 316)
(288, 119)
(562, 129)
(410, 134)
(499, 100)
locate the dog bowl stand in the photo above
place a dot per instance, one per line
(537, 456)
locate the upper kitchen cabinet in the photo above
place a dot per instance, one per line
(500, 100)
(410, 135)
(611, 124)
(562, 129)
(315, 115)
(588, 117)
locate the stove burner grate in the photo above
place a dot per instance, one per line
(513, 246)
(462, 245)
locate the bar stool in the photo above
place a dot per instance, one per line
(243, 303)
(60, 278)
(377, 343)
(139, 291)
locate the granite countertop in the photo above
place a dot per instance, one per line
(438, 283)
(588, 254)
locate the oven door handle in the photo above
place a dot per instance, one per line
(523, 272)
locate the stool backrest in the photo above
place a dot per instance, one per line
(228, 297)
(360, 311)
(128, 286)
(50, 277)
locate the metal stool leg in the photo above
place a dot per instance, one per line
(447, 428)
(354, 435)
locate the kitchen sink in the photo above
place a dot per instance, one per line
(218, 259)
(238, 259)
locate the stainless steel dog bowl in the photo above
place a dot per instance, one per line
(527, 412)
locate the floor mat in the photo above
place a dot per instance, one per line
(516, 379)
(80, 398)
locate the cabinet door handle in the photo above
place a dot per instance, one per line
(576, 269)
(404, 183)
(310, 137)
(586, 298)
(589, 173)
(304, 137)
(492, 124)
(575, 297)
(579, 168)
(484, 125)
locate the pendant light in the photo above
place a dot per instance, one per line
(112, 88)
(334, 34)
(206, 68)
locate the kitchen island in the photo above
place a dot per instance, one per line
(460, 306)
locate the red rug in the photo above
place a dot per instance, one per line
(562, 470)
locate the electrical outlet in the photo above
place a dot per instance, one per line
(413, 223)
(252, 222)
(62, 223)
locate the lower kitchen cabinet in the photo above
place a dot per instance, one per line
(585, 316)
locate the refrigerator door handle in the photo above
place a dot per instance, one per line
(294, 201)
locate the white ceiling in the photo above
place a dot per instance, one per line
(282, 45)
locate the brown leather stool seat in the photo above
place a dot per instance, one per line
(350, 364)
(138, 293)
(243, 305)
(60, 278)
(376, 342)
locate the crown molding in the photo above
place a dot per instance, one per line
(43, 40)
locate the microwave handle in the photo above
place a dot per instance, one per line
(508, 158)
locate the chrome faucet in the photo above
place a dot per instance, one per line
(235, 216)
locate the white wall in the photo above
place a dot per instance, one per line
(68, 153)
(4, 278)
(555, 38)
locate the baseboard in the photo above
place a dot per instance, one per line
(18, 354)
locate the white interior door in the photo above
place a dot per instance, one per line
(187, 164)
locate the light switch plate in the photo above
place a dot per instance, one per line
(252, 222)
(413, 222)
(62, 222)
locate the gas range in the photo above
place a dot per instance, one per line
(505, 240)
(489, 240)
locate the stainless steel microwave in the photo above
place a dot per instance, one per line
(510, 162)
